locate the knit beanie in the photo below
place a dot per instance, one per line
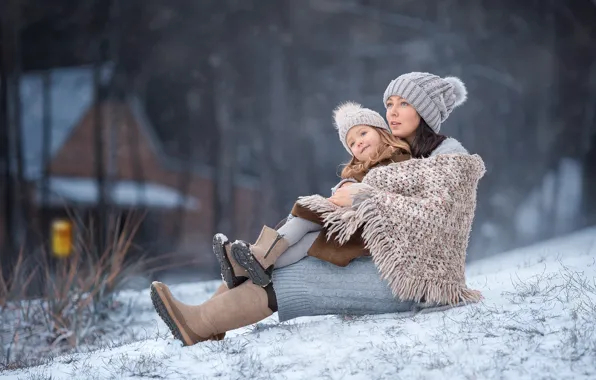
(433, 97)
(351, 114)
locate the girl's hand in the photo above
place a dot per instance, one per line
(342, 197)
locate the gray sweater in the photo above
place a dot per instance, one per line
(314, 287)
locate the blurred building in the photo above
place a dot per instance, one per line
(59, 124)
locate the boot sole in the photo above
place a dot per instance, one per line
(227, 274)
(164, 313)
(246, 260)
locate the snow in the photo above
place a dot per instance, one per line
(537, 322)
(124, 193)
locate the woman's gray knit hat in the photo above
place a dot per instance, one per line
(433, 97)
(351, 114)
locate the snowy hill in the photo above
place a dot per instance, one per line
(538, 321)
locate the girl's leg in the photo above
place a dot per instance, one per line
(296, 228)
(258, 259)
(233, 274)
(294, 232)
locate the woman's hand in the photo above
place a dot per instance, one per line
(342, 196)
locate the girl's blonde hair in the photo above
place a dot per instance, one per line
(391, 149)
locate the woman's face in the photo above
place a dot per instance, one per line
(402, 118)
(363, 141)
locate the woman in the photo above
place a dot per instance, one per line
(418, 261)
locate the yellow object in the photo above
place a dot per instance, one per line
(61, 238)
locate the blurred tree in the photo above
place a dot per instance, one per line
(6, 180)
(17, 201)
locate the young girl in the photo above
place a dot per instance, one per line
(367, 137)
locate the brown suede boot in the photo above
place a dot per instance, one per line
(232, 273)
(238, 307)
(258, 259)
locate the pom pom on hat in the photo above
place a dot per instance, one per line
(459, 90)
(344, 112)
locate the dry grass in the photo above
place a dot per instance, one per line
(73, 298)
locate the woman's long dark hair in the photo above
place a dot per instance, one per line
(425, 141)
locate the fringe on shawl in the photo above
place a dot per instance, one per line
(403, 286)
(334, 217)
(343, 222)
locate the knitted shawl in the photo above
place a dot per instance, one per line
(416, 217)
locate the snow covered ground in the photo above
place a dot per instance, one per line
(538, 321)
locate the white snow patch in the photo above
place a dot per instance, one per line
(221, 238)
(537, 321)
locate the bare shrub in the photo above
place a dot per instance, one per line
(61, 304)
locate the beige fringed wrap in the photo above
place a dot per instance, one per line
(416, 216)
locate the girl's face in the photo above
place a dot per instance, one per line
(363, 141)
(402, 118)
